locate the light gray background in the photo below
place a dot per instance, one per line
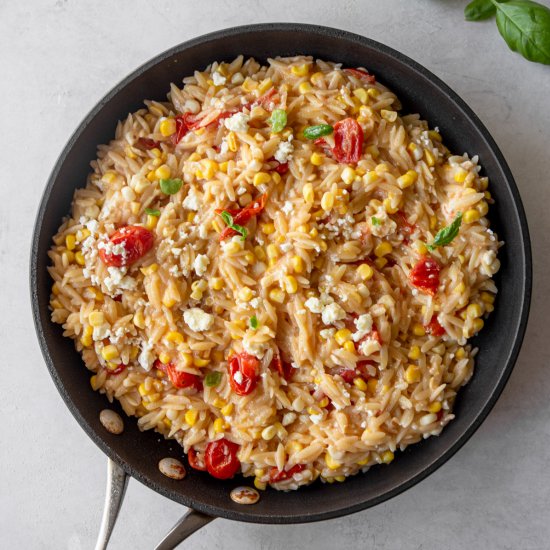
(57, 59)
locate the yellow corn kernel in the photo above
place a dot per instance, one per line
(304, 228)
(430, 159)
(387, 457)
(360, 384)
(300, 70)
(151, 177)
(259, 253)
(265, 85)
(390, 116)
(93, 294)
(414, 353)
(83, 234)
(223, 167)
(139, 319)
(200, 362)
(210, 167)
(109, 177)
(363, 462)
(297, 264)
(149, 269)
(365, 271)
(233, 247)
(474, 310)
(86, 338)
(248, 85)
(267, 228)
(219, 403)
(388, 206)
(342, 335)
(488, 298)
(163, 172)
(164, 357)
(277, 295)
(269, 433)
(316, 159)
(151, 221)
(471, 216)
(232, 142)
(70, 242)
(327, 202)
(348, 175)
(135, 207)
(191, 417)
(260, 485)
(373, 92)
(304, 87)
(434, 407)
(407, 179)
(383, 249)
(412, 374)
(324, 402)
(167, 127)
(96, 318)
(272, 251)
(482, 208)
(94, 382)
(349, 346)
(290, 284)
(175, 337)
(331, 463)
(79, 258)
(372, 384)
(420, 247)
(460, 175)
(380, 263)
(227, 410)
(477, 325)
(460, 288)
(261, 177)
(216, 283)
(245, 294)
(361, 94)
(418, 330)
(276, 177)
(142, 390)
(109, 352)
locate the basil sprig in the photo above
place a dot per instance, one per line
(446, 235)
(170, 186)
(524, 25)
(278, 120)
(228, 219)
(213, 378)
(315, 132)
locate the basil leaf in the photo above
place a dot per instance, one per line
(375, 220)
(213, 378)
(314, 132)
(447, 234)
(479, 10)
(254, 322)
(170, 187)
(525, 26)
(152, 212)
(228, 219)
(278, 120)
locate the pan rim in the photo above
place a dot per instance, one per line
(521, 321)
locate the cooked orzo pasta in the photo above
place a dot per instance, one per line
(279, 270)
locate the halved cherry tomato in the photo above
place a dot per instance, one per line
(196, 460)
(425, 275)
(136, 240)
(243, 373)
(178, 378)
(282, 367)
(362, 74)
(276, 475)
(348, 141)
(147, 143)
(221, 459)
(434, 327)
(240, 217)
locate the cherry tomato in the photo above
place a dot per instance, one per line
(434, 327)
(244, 215)
(243, 373)
(196, 460)
(362, 74)
(282, 367)
(275, 475)
(425, 275)
(348, 141)
(178, 378)
(221, 459)
(147, 143)
(136, 240)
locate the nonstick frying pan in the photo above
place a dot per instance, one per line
(137, 454)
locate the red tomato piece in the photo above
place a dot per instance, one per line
(243, 373)
(362, 74)
(147, 143)
(275, 475)
(361, 368)
(136, 240)
(181, 129)
(122, 367)
(196, 460)
(434, 327)
(240, 217)
(282, 367)
(178, 378)
(280, 167)
(221, 459)
(347, 375)
(348, 141)
(425, 275)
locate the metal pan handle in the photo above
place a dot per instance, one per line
(117, 481)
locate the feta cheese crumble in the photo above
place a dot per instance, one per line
(237, 123)
(284, 151)
(218, 79)
(332, 313)
(201, 264)
(197, 319)
(192, 200)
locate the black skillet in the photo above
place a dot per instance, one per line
(138, 453)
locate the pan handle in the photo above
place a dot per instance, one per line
(190, 522)
(117, 481)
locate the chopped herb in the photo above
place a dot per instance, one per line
(278, 120)
(213, 378)
(254, 322)
(152, 212)
(375, 220)
(314, 132)
(228, 219)
(171, 186)
(446, 235)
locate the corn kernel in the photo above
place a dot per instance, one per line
(348, 175)
(276, 177)
(488, 298)
(259, 253)
(361, 94)
(109, 177)
(482, 208)
(96, 318)
(269, 433)
(327, 202)
(418, 330)
(163, 172)
(434, 407)
(349, 346)
(277, 295)
(365, 271)
(383, 249)
(93, 294)
(86, 338)
(471, 216)
(363, 462)
(360, 384)
(167, 127)
(331, 463)
(304, 87)
(474, 310)
(380, 263)
(219, 403)
(175, 337)
(297, 264)
(342, 335)
(414, 353)
(245, 294)
(387, 457)
(477, 325)
(216, 283)
(430, 159)
(164, 357)
(460, 175)
(70, 242)
(79, 258)
(272, 251)
(83, 234)
(316, 159)
(267, 228)
(200, 362)
(388, 207)
(407, 179)
(232, 142)
(227, 410)
(390, 116)
(260, 485)
(191, 417)
(290, 284)
(324, 402)
(412, 374)
(300, 70)
(372, 384)
(109, 352)
(139, 319)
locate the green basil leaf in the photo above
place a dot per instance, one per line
(446, 235)
(375, 220)
(213, 378)
(479, 10)
(152, 212)
(254, 322)
(170, 186)
(228, 219)
(278, 120)
(525, 26)
(314, 132)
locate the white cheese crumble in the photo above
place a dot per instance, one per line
(218, 79)
(284, 151)
(101, 332)
(197, 319)
(363, 323)
(316, 418)
(314, 305)
(192, 200)
(237, 123)
(287, 207)
(327, 333)
(146, 358)
(201, 264)
(332, 313)
(118, 279)
(257, 349)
